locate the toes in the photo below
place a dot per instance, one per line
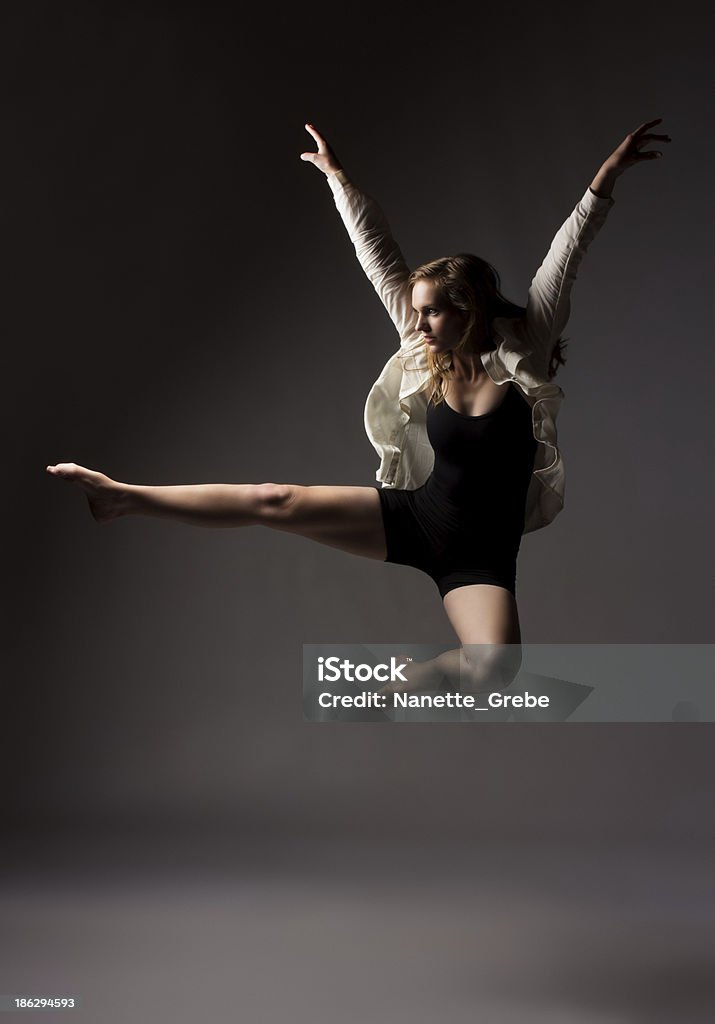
(64, 469)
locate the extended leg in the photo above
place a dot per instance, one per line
(348, 518)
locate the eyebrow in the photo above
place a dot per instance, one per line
(430, 305)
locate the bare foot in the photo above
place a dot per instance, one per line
(106, 497)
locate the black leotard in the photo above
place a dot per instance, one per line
(464, 524)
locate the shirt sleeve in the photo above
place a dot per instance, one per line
(548, 304)
(377, 251)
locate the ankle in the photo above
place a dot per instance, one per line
(127, 499)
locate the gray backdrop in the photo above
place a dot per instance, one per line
(182, 304)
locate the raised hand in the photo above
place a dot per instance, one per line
(627, 154)
(631, 151)
(325, 159)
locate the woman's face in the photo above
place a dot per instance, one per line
(440, 324)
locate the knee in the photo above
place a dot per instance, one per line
(490, 666)
(274, 500)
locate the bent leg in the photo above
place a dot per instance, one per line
(486, 621)
(348, 518)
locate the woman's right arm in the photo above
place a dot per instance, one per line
(377, 251)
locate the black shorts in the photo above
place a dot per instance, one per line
(452, 548)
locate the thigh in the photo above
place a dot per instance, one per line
(486, 621)
(348, 518)
(483, 614)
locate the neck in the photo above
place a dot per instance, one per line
(467, 366)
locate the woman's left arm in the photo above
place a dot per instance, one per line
(548, 302)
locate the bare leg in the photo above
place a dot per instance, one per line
(486, 621)
(197, 504)
(348, 518)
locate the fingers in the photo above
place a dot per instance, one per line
(641, 136)
(646, 137)
(646, 125)
(317, 136)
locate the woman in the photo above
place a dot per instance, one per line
(462, 416)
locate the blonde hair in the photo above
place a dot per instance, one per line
(472, 286)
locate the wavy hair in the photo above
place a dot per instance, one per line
(472, 286)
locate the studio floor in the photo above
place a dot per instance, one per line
(271, 929)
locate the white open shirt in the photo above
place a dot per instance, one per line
(396, 407)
